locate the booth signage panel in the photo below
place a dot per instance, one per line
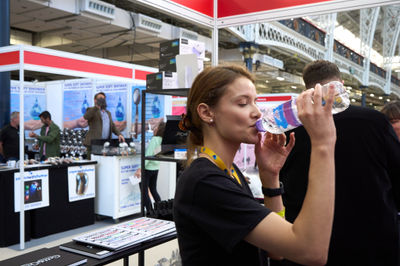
(117, 99)
(129, 192)
(78, 96)
(81, 182)
(240, 7)
(9, 58)
(141, 74)
(36, 190)
(34, 103)
(203, 6)
(35, 58)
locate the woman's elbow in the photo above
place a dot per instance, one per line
(317, 257)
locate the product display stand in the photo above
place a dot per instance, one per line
(116, 197)
(171, 92)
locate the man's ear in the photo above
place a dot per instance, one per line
(205, 113)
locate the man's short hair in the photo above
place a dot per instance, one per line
(320, 71)
(14, 115)
(99, 93)
(45, 115)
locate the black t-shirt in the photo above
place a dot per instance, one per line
(9, 136)
(367, 164)
(213, 213)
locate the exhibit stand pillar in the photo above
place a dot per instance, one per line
(4, 76)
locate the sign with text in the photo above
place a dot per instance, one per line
(77, 98)
(36, 190)
(81, 182)
(129, 194)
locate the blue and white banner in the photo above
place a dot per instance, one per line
(34, 104)
(78, 96)
(129, 192)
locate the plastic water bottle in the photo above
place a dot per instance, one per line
(284, 117)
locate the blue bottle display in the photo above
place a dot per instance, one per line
(85, 105)
(120, 112)
(284, 117)
(156, 107)
(35, 110)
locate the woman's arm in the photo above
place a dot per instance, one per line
(305, 241)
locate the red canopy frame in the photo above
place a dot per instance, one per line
(23, 57)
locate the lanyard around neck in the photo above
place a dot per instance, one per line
(220, 163)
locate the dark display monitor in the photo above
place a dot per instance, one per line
(173, 137)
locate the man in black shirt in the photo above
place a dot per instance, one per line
(367, 160)
(9, 138)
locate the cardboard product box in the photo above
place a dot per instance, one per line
(182, 46)
(162, 80)
(167, 64)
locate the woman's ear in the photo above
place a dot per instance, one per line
(205, 113)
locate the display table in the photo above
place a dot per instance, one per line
(120, 255)
(116, 195)
(59, 216)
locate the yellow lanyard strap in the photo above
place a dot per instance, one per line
(220, 163)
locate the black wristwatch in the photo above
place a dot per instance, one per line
(272, 192)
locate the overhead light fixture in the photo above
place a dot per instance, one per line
(388, 100)
(380, 98)
(353, 100)
(372, 95)
(397, 70)
(267, 81)
(206, 59)
(293, 87)
(280, 78)
(349, 88)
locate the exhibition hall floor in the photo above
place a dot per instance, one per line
(152, 256)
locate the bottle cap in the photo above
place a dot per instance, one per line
(259, 126)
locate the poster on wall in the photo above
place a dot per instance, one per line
(36, 190)
(34, 104)
(78, 96)
(154, 111)
(129, 190)
(178, 105)
(117, 99)
(81, 182)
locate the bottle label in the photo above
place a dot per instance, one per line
(289, 115)
(279, 117)
(284, 116)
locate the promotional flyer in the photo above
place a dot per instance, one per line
(36, 190)
(81, 182)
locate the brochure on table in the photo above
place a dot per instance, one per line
(128, 233)
(81, 182)
(36, 189)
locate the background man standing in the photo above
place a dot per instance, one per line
(49, 139)
(367, 196)
(9, 138)
(100, 122)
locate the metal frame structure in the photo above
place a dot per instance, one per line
(22, 57)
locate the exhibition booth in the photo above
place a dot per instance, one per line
(116, 195)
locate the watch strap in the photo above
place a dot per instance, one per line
(272, 192)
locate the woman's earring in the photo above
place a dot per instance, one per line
(211, 120)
